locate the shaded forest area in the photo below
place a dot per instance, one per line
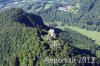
(87, 16)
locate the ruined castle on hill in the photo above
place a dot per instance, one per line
(51, 33)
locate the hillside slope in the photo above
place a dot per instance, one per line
(23, 43)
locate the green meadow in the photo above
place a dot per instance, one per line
(92, 34)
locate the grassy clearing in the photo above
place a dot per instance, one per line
(47, 6)
(75, 8)
(92, 34)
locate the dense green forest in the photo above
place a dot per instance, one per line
(85, 13)
(23, 42)
(24, 36)
(87, 16)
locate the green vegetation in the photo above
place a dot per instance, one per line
(23, 41)
(85, 17)
(34, 6)
(75, 8)
(91, 34)
(47, 6)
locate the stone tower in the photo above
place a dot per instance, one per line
(51, 33)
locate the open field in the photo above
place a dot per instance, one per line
(47, 6)
(92, 34)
